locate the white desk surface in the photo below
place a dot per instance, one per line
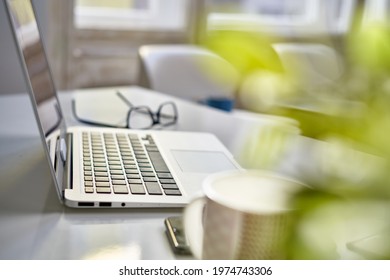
(34, 225)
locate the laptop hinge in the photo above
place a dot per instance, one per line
(68, 167)
(63, 150)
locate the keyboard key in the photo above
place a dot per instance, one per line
(100, 168)
(135, 181)
(100, 164)
(158, 162)
(142, 159)
(132, 171)
(130, 157)
(117, 177)
(87, 173)
(98, 155)
(137, 189)
(147, 174)
(116, 172)
(172, 192)
(103, 190)
(113, 158)
(115, 167)
(153, 188)
(88, 178)
(169, 186)
(88, 190)
(88, 184)
(101, 179)
(145, 164)
(101, 174)
(164, 175)
(112, 147)
(118, 182)
(167, 181)
(103, 184)
(120, 189)
(87, 168)
(150, 179)
(97, 144)
(130, 166)
(133, 176)
(150, 149)
(146, 169)
(114, 163)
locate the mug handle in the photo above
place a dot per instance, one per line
(193, 225)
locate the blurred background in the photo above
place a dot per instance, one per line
(95, 43)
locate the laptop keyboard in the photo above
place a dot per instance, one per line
(124, 164)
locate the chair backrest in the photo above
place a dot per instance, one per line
(187, 71)
(314, 65)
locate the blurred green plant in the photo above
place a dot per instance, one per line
(353, 189)
(246, 51)
(356, 162)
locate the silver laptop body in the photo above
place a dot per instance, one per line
(108, 167)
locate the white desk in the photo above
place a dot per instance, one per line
(34, 225)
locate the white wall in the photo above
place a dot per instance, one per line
(11, 77)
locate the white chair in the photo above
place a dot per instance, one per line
(313, 65)
(187, 71)
(309, 68)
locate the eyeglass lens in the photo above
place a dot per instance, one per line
(143, 118)
(140, 118)
(167, 114)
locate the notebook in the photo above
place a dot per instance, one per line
(110, 167)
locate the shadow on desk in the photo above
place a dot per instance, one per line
(26, 185)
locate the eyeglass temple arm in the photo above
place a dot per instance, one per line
(123, 98)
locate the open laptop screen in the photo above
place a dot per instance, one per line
(38, 78)
(30, 43)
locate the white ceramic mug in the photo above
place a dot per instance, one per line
(242, 215)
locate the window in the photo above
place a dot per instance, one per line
(95, 42)
(130, 14)
(286, 18)
(376, 11)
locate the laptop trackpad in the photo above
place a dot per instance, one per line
(202, 161)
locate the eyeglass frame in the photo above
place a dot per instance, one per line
(155, 116)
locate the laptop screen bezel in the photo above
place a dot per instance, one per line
(58, 172)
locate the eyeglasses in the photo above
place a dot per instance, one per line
(139, 117)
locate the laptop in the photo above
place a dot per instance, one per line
(110, 167)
